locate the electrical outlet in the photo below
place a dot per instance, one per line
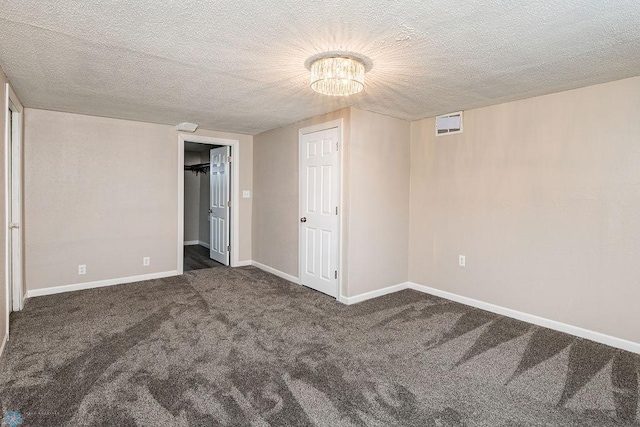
(146, 261)
(246, 194)
(462, 260)
(82, 269)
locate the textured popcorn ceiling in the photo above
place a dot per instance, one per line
(239, 65)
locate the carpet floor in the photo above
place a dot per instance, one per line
(233, 347)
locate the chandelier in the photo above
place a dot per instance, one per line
(337, 75)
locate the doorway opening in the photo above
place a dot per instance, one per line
(13, 203)
(207, 197)
(202, 226)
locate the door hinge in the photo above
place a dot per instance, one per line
(336, 210)
(228, 247)
(229, 204)
(336, 274)
(229, 159)
(337, 145)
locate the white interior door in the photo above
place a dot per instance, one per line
(13, 188)
(319, 179)
(220, 201)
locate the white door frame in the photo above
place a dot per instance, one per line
(338, 123)
(13, 209)
(235, 193)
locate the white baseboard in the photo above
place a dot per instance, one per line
(243, 263)
(276, 272)
(191, 242)
(530, 318)
(98, 284)
(4, 343)
(525, 317)
(201, 243)
(373, 294)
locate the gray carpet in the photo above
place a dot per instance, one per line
(235, 347)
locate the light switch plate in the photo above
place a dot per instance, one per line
(246, 194)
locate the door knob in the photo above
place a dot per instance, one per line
(303, 219)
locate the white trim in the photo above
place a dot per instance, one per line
(14, 99)
(373, 294)
(4, 343)
(276, 272)
(99, 284)
(525, 317)
(206, 245)
(342, 217)
(7, 181)
(191, 242)
(321, 126)
(530, 318)
(244, 263)
(337, 123)
(235, 196)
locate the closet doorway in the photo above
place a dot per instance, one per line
(207, 214)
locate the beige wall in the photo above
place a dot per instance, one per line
(103, 192)
(378, 202)
(275, 193)
(191, 198)
(543, 198)
(204, 231)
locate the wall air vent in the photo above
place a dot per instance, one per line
(447, 124)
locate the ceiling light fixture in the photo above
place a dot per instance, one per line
(186, 127)
(338, 74)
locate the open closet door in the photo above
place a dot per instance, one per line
(220, 201)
